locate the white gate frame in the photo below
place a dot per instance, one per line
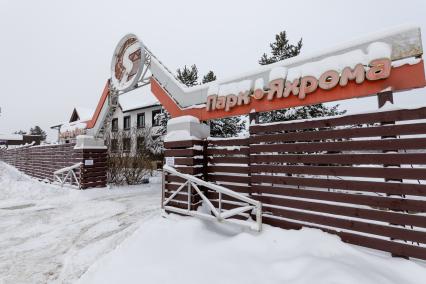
(219, 215)
(59, 174)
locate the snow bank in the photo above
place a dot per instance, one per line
(50, 234)
(187, 250)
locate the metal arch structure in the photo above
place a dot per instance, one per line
(131, 63)
(404, 43)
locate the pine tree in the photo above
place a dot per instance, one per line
(223, 127)
(38, 131)
(281, 49)
(188, 76)
(302, 112)
(209, 77)
(163, 118)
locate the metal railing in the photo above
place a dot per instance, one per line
(67, 174)
(218, 214)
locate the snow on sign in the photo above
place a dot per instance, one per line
(127, 63)
(279, 87)
(387, 60)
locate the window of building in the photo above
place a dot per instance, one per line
(114, 145)
(126, 144)
(126, 122)
(140, 143)
(114, 124)
(141, 120)
(156, 117)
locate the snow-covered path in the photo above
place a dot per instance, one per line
(52, 234)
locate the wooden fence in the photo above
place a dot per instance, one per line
(362, 177)
(41, 161)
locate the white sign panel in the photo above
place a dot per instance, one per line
(170, 161)
(127, 63)
(88, 162)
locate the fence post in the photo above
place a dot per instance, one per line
(185, 147)
(93, 154)
(382, 99)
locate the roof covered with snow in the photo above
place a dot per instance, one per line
(139, 98)
(10, 137)
(84, 113)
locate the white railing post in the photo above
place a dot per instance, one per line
(220, 203)
(163, 189)
(189, 196)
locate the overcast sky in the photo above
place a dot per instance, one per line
(56, 54)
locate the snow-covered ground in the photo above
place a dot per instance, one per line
(54, 235)
(187, 250)
(50, 234)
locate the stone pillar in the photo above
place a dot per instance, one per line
(184, 151)
(93, 153)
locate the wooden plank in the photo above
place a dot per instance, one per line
(93, 150)
(93, 184)
(237, 188)
(190, 170)
(212, 195)
(354, 225)
(226, 205)
(182, 152)
(172, 178)
(172, 186)
(94, 155)
(355, 239)
(386, 130)
(369, 214)
(188, 161)
(371, 172)
(241, 151)
(356, 119)
(229, 160)
(363, 145)
(352, 185)
(228, 142)
(368, 200)
(85, 179)
(183, 205)
(93, 174)
(228, 169)
(345, 159)
(183, 196)
(229, 178)
(182, 144)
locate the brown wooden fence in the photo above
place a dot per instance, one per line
(41, 161)
(362, 177)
